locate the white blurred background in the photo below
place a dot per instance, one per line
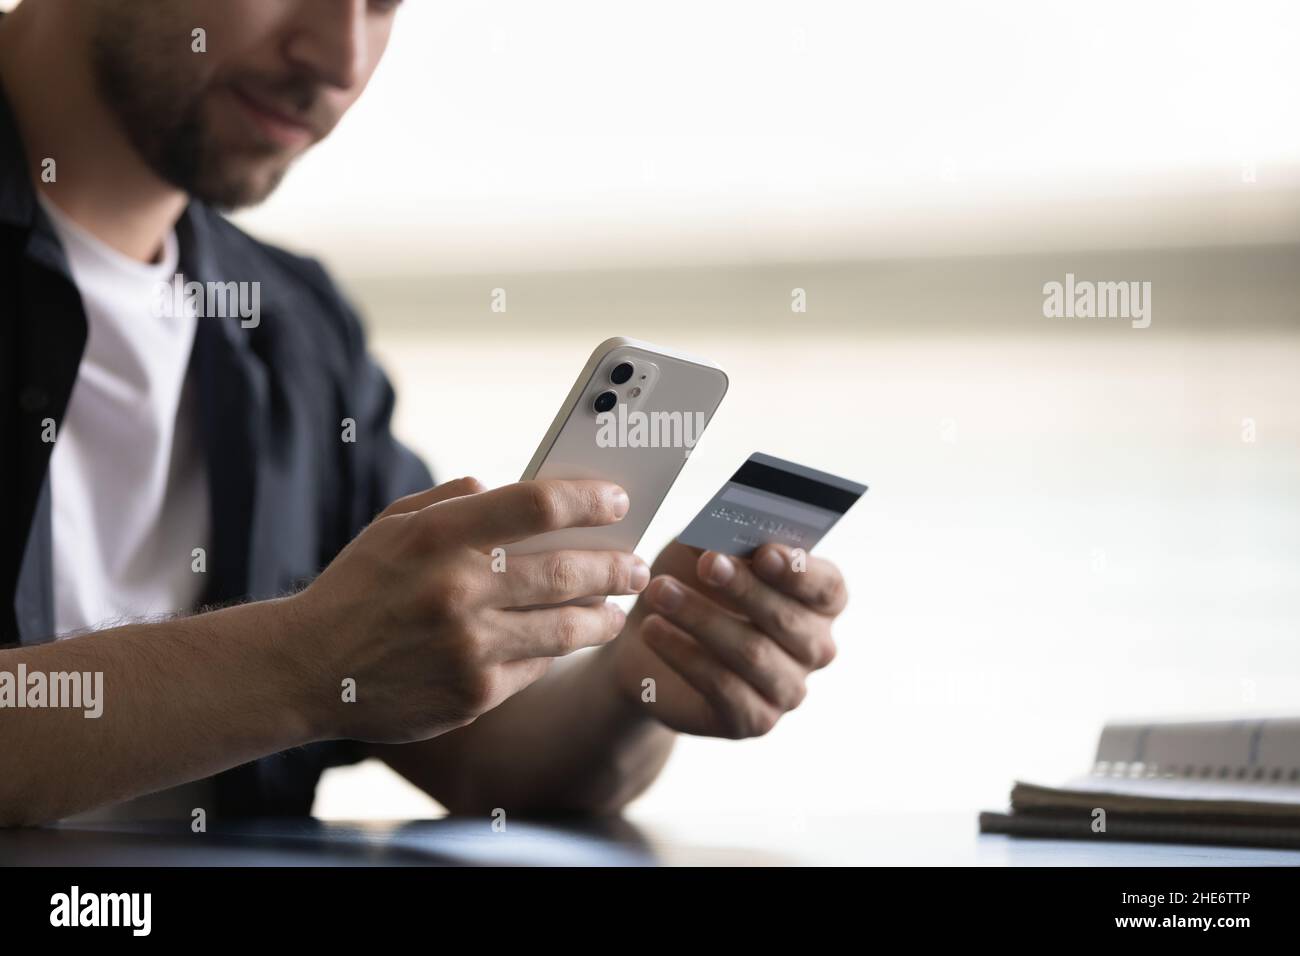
(1068, 519)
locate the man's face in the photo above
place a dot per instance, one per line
(225, 124)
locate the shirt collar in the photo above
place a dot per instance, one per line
(211, 249)
(206, 252)
(17, 199)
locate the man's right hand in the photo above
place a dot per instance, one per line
(413, 612)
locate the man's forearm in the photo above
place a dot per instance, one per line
(182, 699)
(568, 744)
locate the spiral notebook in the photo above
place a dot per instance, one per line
(1223, 782)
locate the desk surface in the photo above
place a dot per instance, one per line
(902, 839)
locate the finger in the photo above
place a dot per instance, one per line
(819, 585)
(801, 631)
(553, 577)
(738, 708)
(527, 508)
(556, 631)
(422, 499)
(739, 645)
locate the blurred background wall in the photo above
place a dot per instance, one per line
(1069, 519)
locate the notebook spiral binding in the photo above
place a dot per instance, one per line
(1137, 769)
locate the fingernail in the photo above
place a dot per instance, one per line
(722, 570)
(621, 502)
(769, 564)
(640, 576)
(667, 595)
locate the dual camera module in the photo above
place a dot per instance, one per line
(619, 375)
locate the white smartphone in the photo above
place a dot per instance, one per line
(632, 417)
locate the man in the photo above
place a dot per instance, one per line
(160, 462)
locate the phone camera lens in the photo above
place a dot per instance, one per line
(606, 400)
(621, 373)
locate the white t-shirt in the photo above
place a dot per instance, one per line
(129, 495)
(128, 490)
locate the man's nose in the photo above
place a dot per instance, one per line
(329, 41)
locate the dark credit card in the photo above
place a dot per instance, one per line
(771, 500)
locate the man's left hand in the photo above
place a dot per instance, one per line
(728, 642)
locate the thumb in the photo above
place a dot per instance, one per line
(443, 492)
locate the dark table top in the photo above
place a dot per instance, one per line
(309, 842)
(895, 839)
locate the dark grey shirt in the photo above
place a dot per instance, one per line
(286, 492)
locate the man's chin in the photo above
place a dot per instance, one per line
(235, 188)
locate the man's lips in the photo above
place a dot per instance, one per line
(276, 125)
